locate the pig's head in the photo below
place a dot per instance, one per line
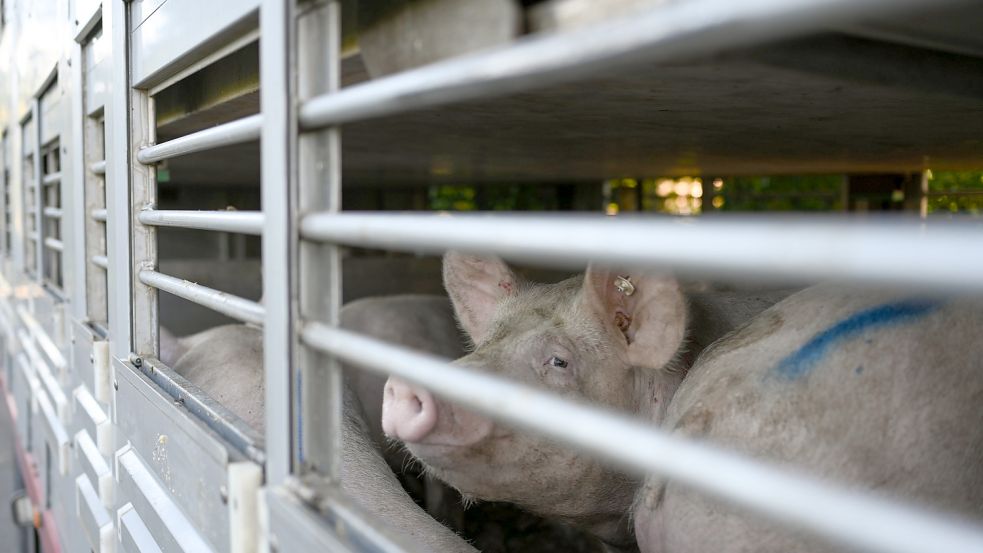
(589, 338)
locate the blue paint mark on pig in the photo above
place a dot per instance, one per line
(805, 359)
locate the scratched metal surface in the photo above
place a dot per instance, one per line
(185, 458)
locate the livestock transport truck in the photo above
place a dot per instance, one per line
(179, 164)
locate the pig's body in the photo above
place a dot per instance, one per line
(226, 362)
(876, 391)
(507, 321)
(873, 390)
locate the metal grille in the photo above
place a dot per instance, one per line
(303, 228)
(864, 251)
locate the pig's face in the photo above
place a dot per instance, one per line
(581, 338)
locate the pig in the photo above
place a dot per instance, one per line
(226, 363)
(877, 390)
(789, 386)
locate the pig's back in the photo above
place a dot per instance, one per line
(873, 390)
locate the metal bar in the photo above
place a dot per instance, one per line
(117, 154)
(144, 306)
(51, 178)
(946, 254)
(319, 189)
(278, 144)
(99, 214)
(73, 231)
(234, 132)
(38, 199)
(100, 261)
(244, 222)
(846, 517)
(98, 167)
(664, 33)
(226, 304)
(32, 236)
(53, 212)
(54, 244)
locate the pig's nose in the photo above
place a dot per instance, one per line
(408, 413)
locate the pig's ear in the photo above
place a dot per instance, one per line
(476, 285)
(646, 312)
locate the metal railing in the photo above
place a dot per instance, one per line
(873, 251)
(880, 250)
(235, 132)
(948, 256)
(54, 244)
(852, 518)
(233, 306)
(100, 261)
(666, 33)
(243, 222)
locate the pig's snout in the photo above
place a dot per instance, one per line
(408, 413)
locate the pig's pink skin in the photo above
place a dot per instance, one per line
(574, 338)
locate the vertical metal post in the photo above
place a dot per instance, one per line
(38, 192)
(319, 47)
(278, 159)
(74, 216)
(143, 195)
(94, 193)
(118, 177)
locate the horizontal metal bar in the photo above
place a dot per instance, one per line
(98, 167)
(847, 517)
(32, 236)
(244, 222)
(226, 304)
(905, 251)
(234, 132)
(99, 214)
(667, 32)
(100, 261)
(54, 244)
(51, 178)
(53, 212)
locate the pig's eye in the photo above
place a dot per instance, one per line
(557, 362)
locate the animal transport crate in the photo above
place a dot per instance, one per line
(185, 164)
